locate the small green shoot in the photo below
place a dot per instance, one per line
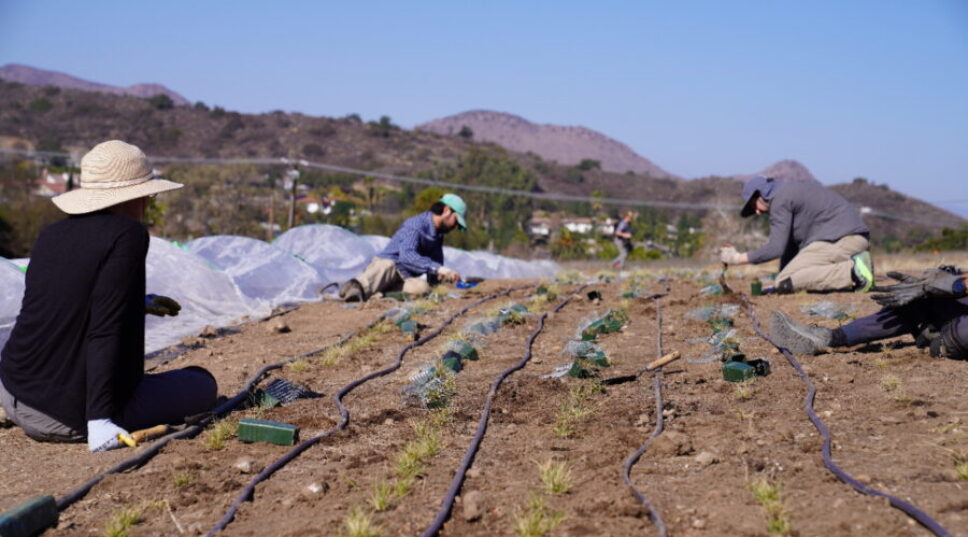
(121, 521)
(890, 383)
(556, 477)
(299, 366)
(537, 520)
(744, 390)
(768, 495)
(381, 498)
(358, 524)
(183, 479)
(960, 459)
(220, 432)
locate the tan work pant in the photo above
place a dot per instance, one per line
(824, 266)
(382, 276)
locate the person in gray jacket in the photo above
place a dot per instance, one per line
(819, 237)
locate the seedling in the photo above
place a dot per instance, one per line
(183, 479)
(220, 432)
(880, 363)
(556, 477)
(768, 496)
(121, 521)
(744, 390)
(537, 520)
(574, 410)
(960, 459)
(299, 366)
(358, 524)
(382, 496)
(890, 383)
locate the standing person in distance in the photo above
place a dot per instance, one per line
(623, 240)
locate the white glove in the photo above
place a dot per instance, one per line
(102, 435)
(448, 274)
(729, 255)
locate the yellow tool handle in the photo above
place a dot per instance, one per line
(671, 357)
(137, 437)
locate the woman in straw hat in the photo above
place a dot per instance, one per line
(73, 368)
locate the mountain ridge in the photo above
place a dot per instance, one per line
(32, 76)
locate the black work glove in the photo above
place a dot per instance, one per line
(933, 282)
(161, 305)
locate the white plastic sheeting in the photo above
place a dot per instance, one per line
(337, 254)
(259, 269)
(224, 280)
(12, 284)
(207, 295)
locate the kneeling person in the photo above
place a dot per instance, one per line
(416, 249)
(73, 368)
(933, 308)
(819, 237)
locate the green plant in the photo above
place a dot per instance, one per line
(220, 432)
(960, 459)
(358, 524)
(537, 519)
(890, 383)
(744, 390)
(556, 477)
(382, 496)
(574, 409)
(768, 495)
(299, 366)
(121, 521)
(183, 479)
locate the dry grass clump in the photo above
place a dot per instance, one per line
(556, 477)
(767, 494)
(537, 519)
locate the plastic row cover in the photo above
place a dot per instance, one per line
(222, 280)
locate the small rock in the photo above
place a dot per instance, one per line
(672, 444)
(4, 420)
(472, 505)
(389, 421)
(279, 327)
(706, 458)
(698, 523)
(288, 502)
(244, 465)
(317, 488)
(643, 420)
(864, 478)
(209, 331)
(474, 473)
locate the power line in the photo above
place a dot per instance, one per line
(549, 196)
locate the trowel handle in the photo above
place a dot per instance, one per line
(145, 434)
(671, 357)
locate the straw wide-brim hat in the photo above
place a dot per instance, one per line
(112, 172)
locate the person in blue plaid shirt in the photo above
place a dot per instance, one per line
(415, 250)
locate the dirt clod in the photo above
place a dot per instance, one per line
(244, 465)
(672, 444)
(279, 327)
(706, 459)
(472, 506)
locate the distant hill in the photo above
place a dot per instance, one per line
(563, 144)
(49, 118)
(787, 170)
(24, 74)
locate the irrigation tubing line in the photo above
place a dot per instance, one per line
(266, 472)
(632, 459)
(912, 511)
(142, 458)
(455, 485)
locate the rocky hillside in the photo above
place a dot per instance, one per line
(563, 144)
(32, 76)
(49, 118)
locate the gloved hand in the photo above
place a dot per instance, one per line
(933, 282)
(161, 305)
(729, 255)
(102, 435)
(447, 274)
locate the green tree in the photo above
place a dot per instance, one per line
(162, 102)
(465, 132)
(588, 164)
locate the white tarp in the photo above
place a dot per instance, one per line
(259, 269)
(224, 280)
(337, 254)
(12, 284)
(207, 295)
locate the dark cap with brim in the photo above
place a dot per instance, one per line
(757, 186)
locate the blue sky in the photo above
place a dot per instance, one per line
(877, 89)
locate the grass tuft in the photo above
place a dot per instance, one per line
(121, 521)
(574, 409)
(382, 496)
(220, 432)
(768, 495)
(537, 520)
(890, 383)
(183, 479)
(358, 524)
(744, 390)
(556, 477)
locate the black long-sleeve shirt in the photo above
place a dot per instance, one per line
(76, 352)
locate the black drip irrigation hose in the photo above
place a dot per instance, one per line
(266, 472)
(912, 511)
(654, 515)
(455, 485)
(142, 458)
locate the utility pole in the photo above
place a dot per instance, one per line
(293, 176)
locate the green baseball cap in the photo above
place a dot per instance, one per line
(458, 206)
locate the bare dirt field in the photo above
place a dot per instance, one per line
(898, 418)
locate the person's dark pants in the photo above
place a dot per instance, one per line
(947, 315)
(167, 397)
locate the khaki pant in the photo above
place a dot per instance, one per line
(824, 266)
(382, 276)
